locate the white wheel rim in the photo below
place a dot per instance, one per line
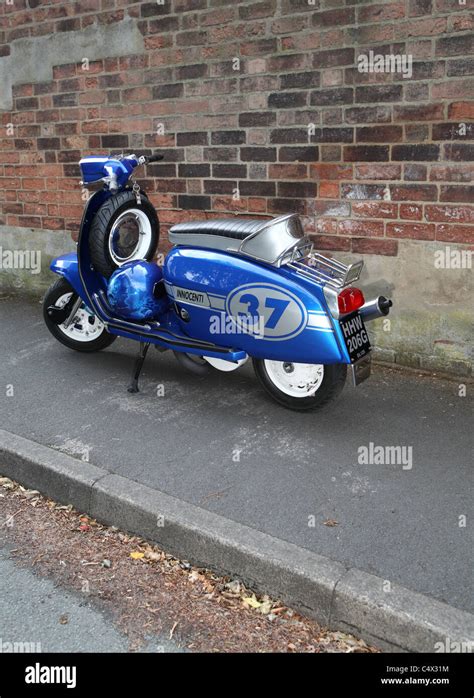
(85, 326)
(130, 237)
(295, 380)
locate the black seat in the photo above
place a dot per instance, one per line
(272, 241)
(233, 228)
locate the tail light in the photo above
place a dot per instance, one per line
(350, 299)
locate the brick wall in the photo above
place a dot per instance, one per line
(228, 90)
(259, 109)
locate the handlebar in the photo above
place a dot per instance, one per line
(148, 159)
(153, 158)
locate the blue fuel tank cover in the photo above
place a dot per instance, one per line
(135, 291)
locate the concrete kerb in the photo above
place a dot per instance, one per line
(323, 589)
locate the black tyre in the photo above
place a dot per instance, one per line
(86, 332)
(123, 231)
(300, 386)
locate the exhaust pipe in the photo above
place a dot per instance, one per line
(378, 307)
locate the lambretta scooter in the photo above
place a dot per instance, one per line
(229, 290)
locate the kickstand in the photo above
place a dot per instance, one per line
(139, 361)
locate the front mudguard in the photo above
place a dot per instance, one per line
(68, 266)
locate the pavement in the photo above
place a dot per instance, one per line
(220, 444)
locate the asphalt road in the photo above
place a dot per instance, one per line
(220, 443)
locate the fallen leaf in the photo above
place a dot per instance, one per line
(266, 607)
(251, 601)
(235, 586)
(331, 523)
(136, 555)
(154, 557)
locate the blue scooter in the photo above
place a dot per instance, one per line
(228, 290)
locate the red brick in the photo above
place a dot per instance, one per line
(363, 228)
(33, 183)
(377, 171)
(323, 170)
(25, 90)
(381, 134)
(422, 27)
(330, 242)
(64, 71)
(288, 171)
(367, 153)
(450, 214)
(420, 7)
(329, 190)
(412, 212)
(455, 233)
(257, 204)
(374, 209)
(327, 226)
(455, 45)
(464, 194)
(419, 112)
(413, 192)
(415, 231)
(282, 206)
(462, 23)
(452, 89)
(363, 191)
(53, 223)
(332, 18)
(375, 246)
(29, 221)
(381, 13)
(461, 110)
(415, 172)
(331, 208)
(452, 173)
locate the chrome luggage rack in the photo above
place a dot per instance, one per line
(324, 271)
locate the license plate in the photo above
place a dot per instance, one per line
(355, 337)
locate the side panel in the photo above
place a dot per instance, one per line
(269, 313)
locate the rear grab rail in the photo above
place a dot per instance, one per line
(323, 270)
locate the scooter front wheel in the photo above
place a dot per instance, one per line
(85, 332)
(300, 386)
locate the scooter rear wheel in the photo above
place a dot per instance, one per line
(86, 332)
(123, 231)
(300, 386)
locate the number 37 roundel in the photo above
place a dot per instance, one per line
(267, 311)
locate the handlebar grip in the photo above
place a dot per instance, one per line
(154, 158)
